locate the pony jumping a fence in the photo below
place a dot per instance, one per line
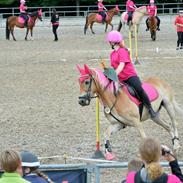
(95, 17)
(152, 24)
(13, 21)
(136, 19)
(120, 107)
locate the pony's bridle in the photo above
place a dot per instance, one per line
(84, 100)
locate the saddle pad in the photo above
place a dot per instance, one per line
(149, 89)
(99, 17)
(21, 20)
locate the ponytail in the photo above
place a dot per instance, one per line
(154, 170)
(41, 174)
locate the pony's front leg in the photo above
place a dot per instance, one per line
(113, 128)
(27, 32)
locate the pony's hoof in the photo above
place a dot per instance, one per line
(109, 156)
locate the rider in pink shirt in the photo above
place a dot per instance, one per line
(101, 9)
(23, 12)
(130, 7)
(152, 11)
(120, 60)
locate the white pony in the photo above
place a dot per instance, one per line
(138, 14)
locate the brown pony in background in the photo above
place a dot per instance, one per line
(152, 22)
(13, 22)
(92, 18)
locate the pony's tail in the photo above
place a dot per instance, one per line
(7, 30)
(86, 25)
(119, 26)
(178, 108)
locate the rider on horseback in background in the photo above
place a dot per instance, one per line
(130, 7)
(23, 12)
(152, 11)
(120, 60)
(101, 9)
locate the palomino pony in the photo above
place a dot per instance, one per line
(13, 21)
(136, 19)
(122, 110)
(95, 17)
(152, 22)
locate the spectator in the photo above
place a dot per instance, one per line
(134, 165)
(179, 25)
(11, 163)
(55, 23)
(30, 165)
(150, 152)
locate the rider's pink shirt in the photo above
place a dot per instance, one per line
(22, 8)
(100, 7)
(151, 10)
(129, 5)
(122, 55)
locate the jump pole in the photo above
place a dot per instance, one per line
(98, 154)
(130, 42)
(136, 46)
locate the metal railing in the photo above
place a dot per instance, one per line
(94, 169)
(163, 8)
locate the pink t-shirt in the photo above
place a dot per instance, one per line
(130, 6)
(151, 10)
(122, 55)
(100, 7)
(179, 20)
(22, 8)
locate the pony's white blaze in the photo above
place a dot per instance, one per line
(121, 111)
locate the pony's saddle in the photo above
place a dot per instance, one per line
(152, 93)
(100, 18)
(23, 18)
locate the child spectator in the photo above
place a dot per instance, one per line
(11, 163)
(30, 165)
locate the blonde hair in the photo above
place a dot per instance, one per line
(135, 165)
(10, 160)
(150, 151)
(154, 170)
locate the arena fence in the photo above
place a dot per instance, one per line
(65, 11)
(65, 172)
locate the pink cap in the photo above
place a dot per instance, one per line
(22, 1)
(152, 1)
(114, 37)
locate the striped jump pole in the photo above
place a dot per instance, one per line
(98, 153)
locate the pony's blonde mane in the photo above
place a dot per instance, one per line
(103, 81)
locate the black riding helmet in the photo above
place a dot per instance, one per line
(29, 159)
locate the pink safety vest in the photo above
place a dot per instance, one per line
(151, 10)
(23, 8)
(129, 5)
(100, 7)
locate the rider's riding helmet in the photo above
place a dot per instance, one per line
(22, 1)
(114, 37)
(100, 0)
(151, 1)
(29, 159)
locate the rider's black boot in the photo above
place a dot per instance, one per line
(153, 114)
